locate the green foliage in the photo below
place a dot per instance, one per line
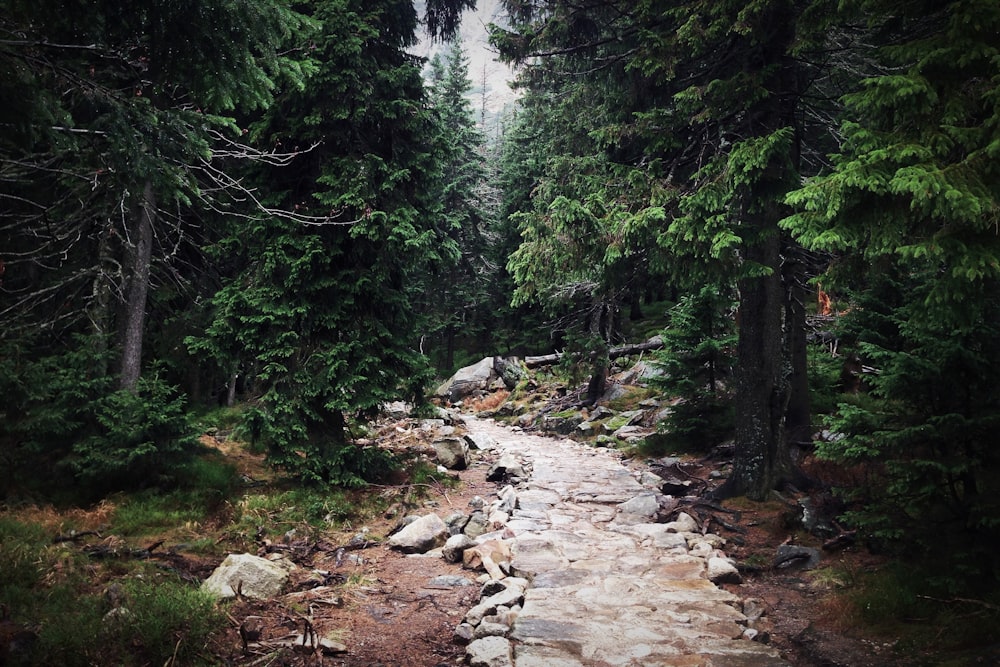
(326, 314)
(318, 460)
(74, 423)
(43, 588)
(825, 385)
(204, 484)
(19, 546)
(913, 199)
(142, 437)
(697, 358)
(423, 473)
(929, 425)
(314, 507)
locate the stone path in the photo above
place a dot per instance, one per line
(608, 586)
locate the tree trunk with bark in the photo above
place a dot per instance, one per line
(139, 251)
(762, 459)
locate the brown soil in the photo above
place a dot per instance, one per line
(377, 603)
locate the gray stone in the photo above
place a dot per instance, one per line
(452, 452)
(468, 380)
(645, 505)
(622, 420)
(507, 499)
(477, 525)
(753, 609)
(601, 412)
(480, 441)
(456, 522)
(489, 652)
(464, 634)
(455, 547)
(510, 370)
(508, 466)
(491, 629)
(682, 524)
(631, 433)
(794, 556)
(247, 574)
(426, 533)
(722, 571)
(449, 581)
(506, 598)
(562, 424)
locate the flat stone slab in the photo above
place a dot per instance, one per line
(608, 587)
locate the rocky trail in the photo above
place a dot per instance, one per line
(607, 584)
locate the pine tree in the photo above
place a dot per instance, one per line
(699, 116)
(454, 303)
(106, 166)
(323, 314)
(913, 193)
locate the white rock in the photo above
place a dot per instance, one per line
(251, 575)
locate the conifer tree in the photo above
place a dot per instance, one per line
(914, 194)
(117, 110)
(702, 121)
(323, 314)
(456, 300)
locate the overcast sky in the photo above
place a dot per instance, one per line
(482, 63)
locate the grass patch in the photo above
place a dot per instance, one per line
(912, 604)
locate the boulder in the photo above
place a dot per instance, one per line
(621, 420)
(478, 524)
(631, 434)
(481, 441)
(455, 547)
(642, 506)
(251, 576)
(564, 423)
(794, 556)
(683, 524)
(468, 380)
(420, 536)
(452, 452)
(722, 571)
(488, 556)
(510, 371)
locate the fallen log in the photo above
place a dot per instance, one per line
(615, 352)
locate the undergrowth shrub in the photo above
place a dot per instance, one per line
(66, 426)
(697, 357)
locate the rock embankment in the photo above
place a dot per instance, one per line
(591, 578)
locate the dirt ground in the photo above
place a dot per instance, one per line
(376, 606)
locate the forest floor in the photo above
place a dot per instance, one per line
(378, 608)
(384, 613)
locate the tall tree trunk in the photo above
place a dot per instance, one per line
(762, 459)
(763, 368)
(139, 252)
(100, 311)
(798, 417)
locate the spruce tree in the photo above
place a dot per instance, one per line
(323, 313)
(914, 193)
